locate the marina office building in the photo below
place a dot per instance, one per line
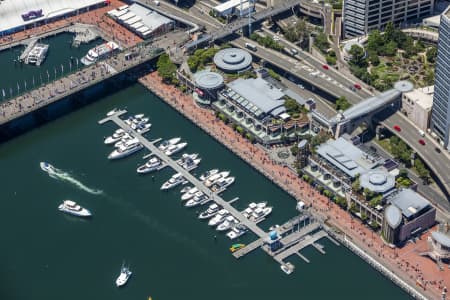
(440, 112)
(362, 16)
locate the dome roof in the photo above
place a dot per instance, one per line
(393, 216)
(208, 80)
(232, 59)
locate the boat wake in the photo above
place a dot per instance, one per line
(58, 174)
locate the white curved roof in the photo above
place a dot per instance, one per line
(208, 79)
(11, 10)
(393, 216)
(232, 59)
(378, 181)
(441, 238)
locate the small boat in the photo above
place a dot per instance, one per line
(185, 189)
(219, 217)
(208, 174)
(72, 208)
(287, 268)
(112, 112)
(222, 184)
(125, 274)
(198, 199)
(211, 180)
(191, 164)
(236, 247)
(45, 166)
(165, 144)
(128, 148)
(210, 212)
(260, 213)
(247, 212)
(142, 128)
(126, 137)
(174, 181)
(154, 164)
(251, 207)
(229, 222)
(117, 136)
(175, 149)
(189, 194)
(237, 231)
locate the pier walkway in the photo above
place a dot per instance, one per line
(307, 241)
(188, 176)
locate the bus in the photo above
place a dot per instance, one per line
(250, 46)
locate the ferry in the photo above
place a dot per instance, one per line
(236, 247)
(72, 208)
(99, 52)
(37, 55)
(125, 274)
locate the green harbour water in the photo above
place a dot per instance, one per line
(173, 255)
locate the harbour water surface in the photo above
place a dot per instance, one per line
(48, 255)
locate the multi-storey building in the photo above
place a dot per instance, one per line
(362, 16)
(440, 113)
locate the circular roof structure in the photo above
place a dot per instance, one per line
(404, 86)
(393, 216)
(208, 80)
(378, 181)
(441, 238)
(232, 59)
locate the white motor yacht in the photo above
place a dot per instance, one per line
(45, 166)
(237, 231)
(72, 208)
(154, 164)
(175, 148)
(126, 137)
(208, 174)
(222, 184)
(198, 199)
(219, 217)
(229, 222)
(174, 181)
(189, 194)
(251, 208)
(185, 189)
(247, 212)
(260, 213)
(142, 128)
(128, 148)
(211, 180)
(210, 212)
(125, 274)
(191, 164)
(165, 144)
(117, 135)
(287, 268)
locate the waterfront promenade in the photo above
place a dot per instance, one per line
(405, 262)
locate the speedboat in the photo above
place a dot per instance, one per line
(237, 231)
(229, 222)
(175, 148)
(174, 181)
(189, 194)
(128, 148)
(260, 213)
(165, 144)
(208, 174)
(45, 166)
(198, 199)
(112, 112)
(117, 135)
(287, 268)
(219, 217)
(125, 274)
(72, 208)
(210, 212)
(211, 180)
(222, 184)
(153, 164)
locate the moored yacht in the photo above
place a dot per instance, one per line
(189, 194)
(210, 212)
(141, 128)
(260, 213)
(211, 180)
(208, 174)
(165, 144)
(154, 164)
(125, 274)
(229, 222)
(72, 208)
(199, 199)
(237, 231)
(219, 217)
(117, 135)
(128, 148)
(251, 207)
(191, 164)
(174, 181)
(172, 149)
(222, 184)
(126, 137)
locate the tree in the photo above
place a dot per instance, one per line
(389, 32)
(431, 54)
(357, 53)
(166, 68)
(429, 77)
(297, 32)
(390, 49)
(321, 42)
(403, 173)
(342, 103)
(374, 41)
(291, 105)
(374, 58)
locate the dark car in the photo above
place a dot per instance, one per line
(422, 142)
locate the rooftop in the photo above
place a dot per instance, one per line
(150, 18)
(232, 59)
(208, 79)
(409, 202)
(379, 181)
(228, 5)
(393, 216)
(347, 157)
(441, 238)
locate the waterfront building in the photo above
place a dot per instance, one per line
(439, 242)
(302, 154)
(440, 113)
(18, 15)
(362, 16)
(417, 106)
(142, 21)
(257, 106)
(233, 60)
(230, 7)
(207, 84)
(407, 215)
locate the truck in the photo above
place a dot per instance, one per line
(251, 46)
